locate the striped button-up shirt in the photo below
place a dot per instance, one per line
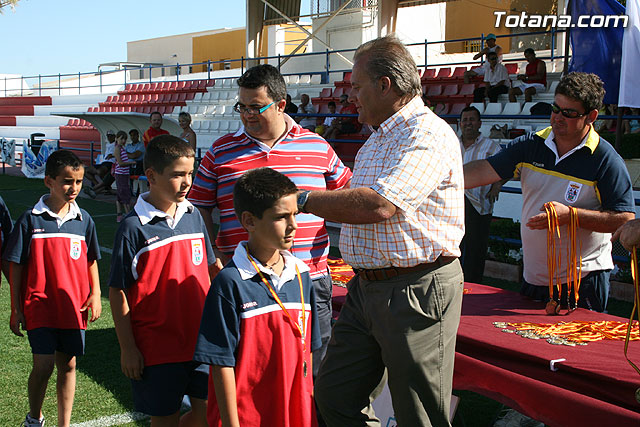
(482, 148)
(413, 160)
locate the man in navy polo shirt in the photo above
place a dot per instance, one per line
(567, 164)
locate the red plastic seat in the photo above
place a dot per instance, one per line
(445, 72)
(457, 108)
(450, 90)
(441, 109)
(434, 90)
(459, 72)
(512, 67)
(429, 73)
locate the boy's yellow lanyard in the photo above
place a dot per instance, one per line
(301, 328)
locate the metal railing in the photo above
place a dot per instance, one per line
(104, 80)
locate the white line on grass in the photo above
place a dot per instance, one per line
(129, 417)
(113, 420)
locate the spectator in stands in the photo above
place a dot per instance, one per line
(344, 125)
(324, 124)
(122, 175)
(102, 170)
(568, 165)
(184, 120)
(271, 138)
(491, 46)
(155, 119)
(496, 77)
(135, 151)
(291, 108)
(478, 202)
(306, 108)
(533, 81)
(402, 223)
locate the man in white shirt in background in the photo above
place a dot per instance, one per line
(478, 202)
(496, 77)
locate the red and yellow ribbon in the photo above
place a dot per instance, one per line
(635, 311)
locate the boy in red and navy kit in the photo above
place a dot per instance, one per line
(158, 284)
(53, 250)
(259, 323)
(6, 225)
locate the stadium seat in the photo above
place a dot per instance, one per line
(526, 109)
(195, 125)
(552, 87)
(445, 72)
(450, 90)
(434, 90)
(512, 108)
(493, 108)
(223, 125)
(305, 79)
(441, 109)
(478, 105)
(512, 67)
(316, 79)
(428, 73)
(293, 79)
(214, 125)
(458, 73)
(457, 108)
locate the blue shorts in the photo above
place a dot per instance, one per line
(50, 340)
(162, 387)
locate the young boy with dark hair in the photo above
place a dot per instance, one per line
(54, 280)
(6, 225)
(158, 284)
(259, 322)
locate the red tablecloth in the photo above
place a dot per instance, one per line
(595, 386)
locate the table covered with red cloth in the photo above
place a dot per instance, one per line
(595, 386)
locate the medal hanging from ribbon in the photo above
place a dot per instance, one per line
(635, 311)
(554, 261)
(302, 328)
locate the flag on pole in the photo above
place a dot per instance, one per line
(630, 66)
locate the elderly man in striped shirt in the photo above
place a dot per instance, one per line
(403, 222)
(478, 202)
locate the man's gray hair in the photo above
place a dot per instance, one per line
(388, 57)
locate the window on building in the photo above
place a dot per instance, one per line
(471, 46)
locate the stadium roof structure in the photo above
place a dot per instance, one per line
(269, 12)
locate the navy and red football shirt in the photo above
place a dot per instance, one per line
(162, 264)
(56, 253)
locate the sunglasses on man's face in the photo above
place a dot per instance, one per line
(567, 112)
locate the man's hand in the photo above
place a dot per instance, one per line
(629, 234)
(132, 363)
(540, 221)
(494, 192)
(221, 261)
(95, 304)
(17, 322)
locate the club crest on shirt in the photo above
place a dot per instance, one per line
(197, 253)
(75, 249)
(573, 191)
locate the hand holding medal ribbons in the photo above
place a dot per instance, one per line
(574, 259)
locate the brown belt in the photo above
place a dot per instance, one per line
(390, 272)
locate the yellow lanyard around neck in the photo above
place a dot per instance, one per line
(301, 328)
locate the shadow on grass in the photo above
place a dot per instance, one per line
(101, 363)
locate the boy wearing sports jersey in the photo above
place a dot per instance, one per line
(158, 284)
(259, 323)
(53, 251)
(6, 225)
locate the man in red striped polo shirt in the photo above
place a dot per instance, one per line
(270, 138)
